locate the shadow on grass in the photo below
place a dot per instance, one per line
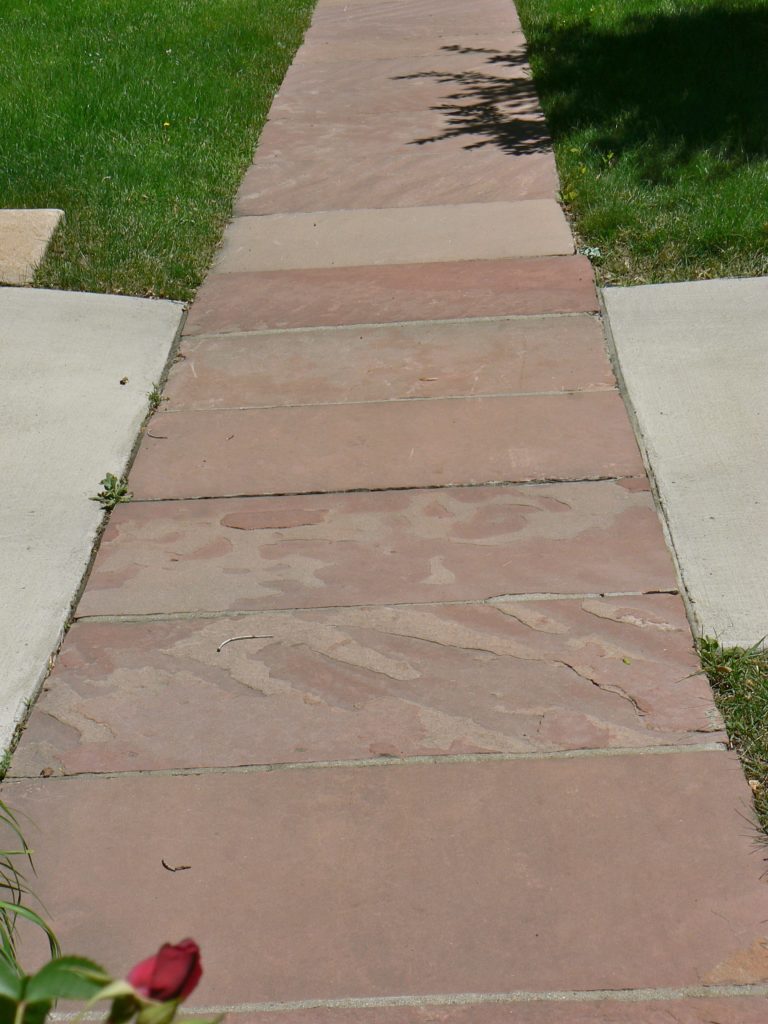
(671, 85)
(683, 83)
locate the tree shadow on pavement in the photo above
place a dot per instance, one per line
(687, 81)
(493, 104)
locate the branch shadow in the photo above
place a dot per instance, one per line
(496, 105)
(671, 84)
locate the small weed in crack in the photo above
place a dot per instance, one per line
(155, 397)
(114, 489)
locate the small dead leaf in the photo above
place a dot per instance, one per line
(46, 773)
(754, 785)
(428, 378)
(123, 380)
(627, 661)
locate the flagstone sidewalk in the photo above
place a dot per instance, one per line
(387, 656)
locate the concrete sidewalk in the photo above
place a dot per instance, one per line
(389, 652)
(76, 371)
(695, 362)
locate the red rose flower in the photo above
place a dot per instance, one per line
(172, 973)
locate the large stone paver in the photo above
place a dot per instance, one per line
(430, 157)
(513, 677)
(420, 234)
(695, 362)
(370, 295)
(372, 445)
(66, 420)
(324, 91)
(368, 364)
(591, 873)
(387, 547)
(370, 46)
(401, 75)
(340, 23)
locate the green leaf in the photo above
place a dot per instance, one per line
(7, 1011)
(69, 977)
(36, 1013)
(11, 985)
(158, 1013)
(123, 1008)
(114, 990)
(7, 950)
(30, 915)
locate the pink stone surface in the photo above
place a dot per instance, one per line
(313, 449)
(370, 295)
(406, 159)
(387, 547)
(513, 677)
(335, 91)
(368, 364)
(341, 23)
(591, 873)
(366, 46)
(712, 1010)
(451, 233)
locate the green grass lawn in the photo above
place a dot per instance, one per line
(138, 120)
(659, 113)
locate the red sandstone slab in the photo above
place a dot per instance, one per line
(369, 295)
(333, 91)
(515, 677)
(413, 880)
(483, 8)
(361, 238)
(396, 19)
(323, 80)
(612, 1010)
(368, 364)
(392, 547)
(429, 158)
(380, 445)
(324, 47)
(402, 16)
(341, 30)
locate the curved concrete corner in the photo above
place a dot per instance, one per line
(694, 358)
(66, 420)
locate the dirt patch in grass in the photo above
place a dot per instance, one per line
(138, 120)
